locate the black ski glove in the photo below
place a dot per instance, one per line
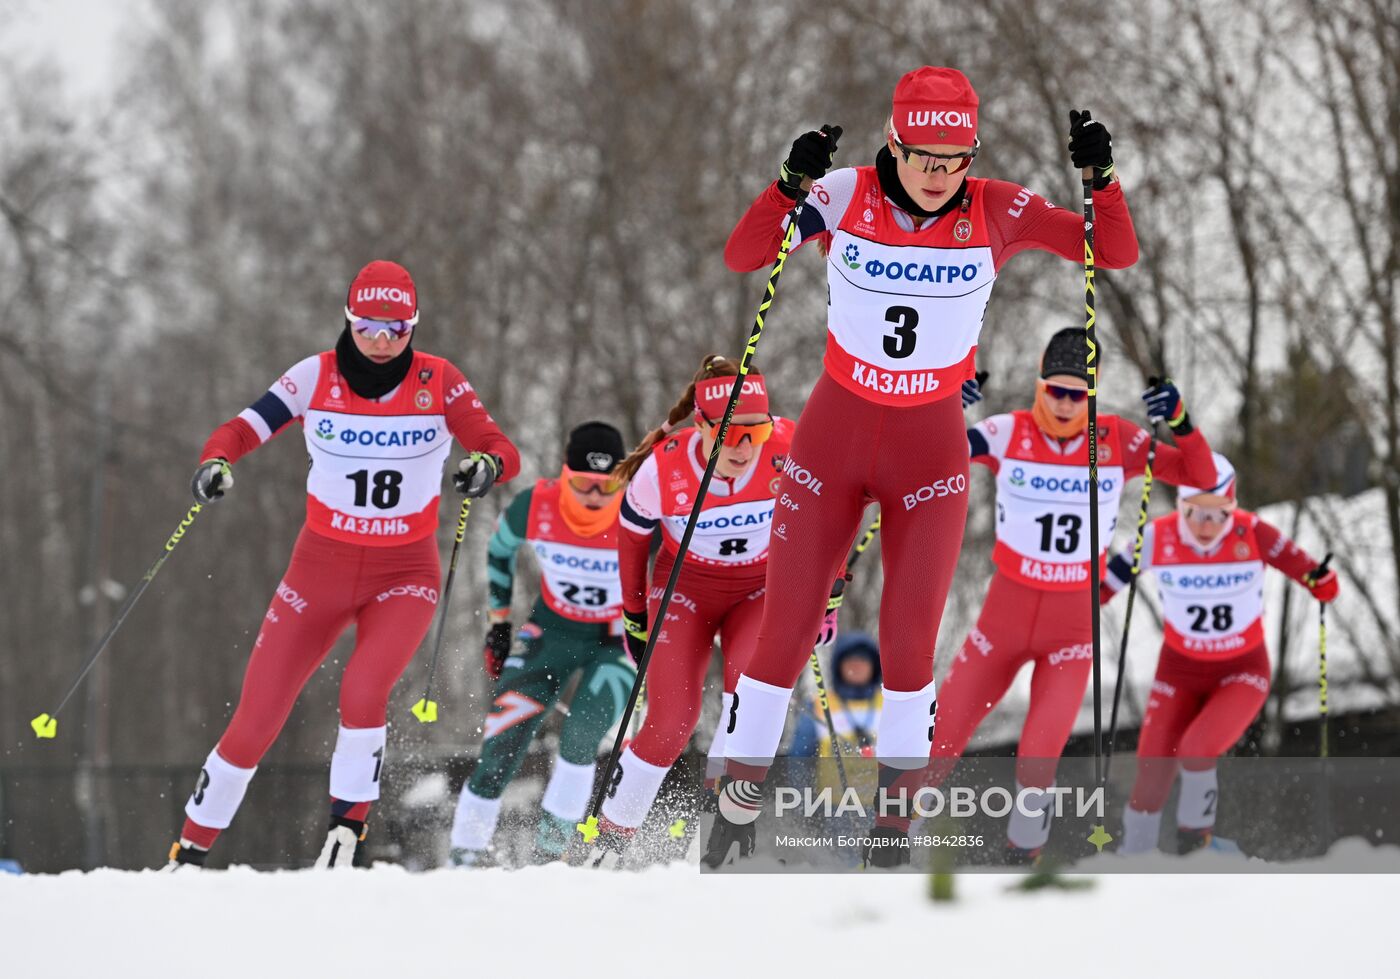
(211, 479)
(497, 648)
(1164, 404)
(1090, 146)
(476, 474)
(635, 634)
(809, 158)
(972, 390)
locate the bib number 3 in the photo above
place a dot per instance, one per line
(901, 343)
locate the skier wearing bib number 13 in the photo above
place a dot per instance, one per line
(913, 245)
(379, 419)
(1036, 610)
(1213, 674)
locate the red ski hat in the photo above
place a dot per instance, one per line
(383, 291)
(712, 394)
(1224, 481)
(935, 106)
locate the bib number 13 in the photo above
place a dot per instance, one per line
(901, 343)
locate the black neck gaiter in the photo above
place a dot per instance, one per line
(888, 171)
(365, 377)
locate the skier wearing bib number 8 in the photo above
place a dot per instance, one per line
(913, 246)
(570, 523)
(720, 591)
(1036, 610)
(379, 419)
(1213, 675)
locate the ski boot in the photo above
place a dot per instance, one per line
(1191, 840)
(886, 848)
(552, 835)
(463, 857)
(185, 856)
(607, 849)
(342, 840)
(1020, 856)
(736, 812)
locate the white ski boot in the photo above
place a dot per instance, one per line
(343, 839)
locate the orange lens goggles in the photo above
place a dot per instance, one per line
(757, 434)
(584, 482)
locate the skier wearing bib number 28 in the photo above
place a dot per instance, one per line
(379, 419)
(571, 525)
(1213, 674)
(913, 245)
(1036, 610)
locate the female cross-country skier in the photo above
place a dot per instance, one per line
(720, 591)
(1037, 608)
(913, 245)
(570, 523)
(379, 419)
(1213, 674)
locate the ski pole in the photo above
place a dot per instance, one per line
(46, 725)
(1091, 363)
(1132, 593)
(426, 710)
(836, 748)
(589, 827)
(1322, 656)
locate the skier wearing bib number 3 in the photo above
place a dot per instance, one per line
(913, 245)
(379, 419)
(1213, 674)
(1036, 610)
(571, 525)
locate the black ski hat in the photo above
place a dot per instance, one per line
(594, 447)
(1067, 353)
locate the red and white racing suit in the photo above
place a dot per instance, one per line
(366, 555)
(884, 423)
(1037, 608)
(1213, 675)
(720, 592)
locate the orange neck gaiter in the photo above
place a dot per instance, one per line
(581, 520)
(1051, 425)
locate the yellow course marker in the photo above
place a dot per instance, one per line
(425, 711)
(677, 829)
(45, 726)
(589, 829)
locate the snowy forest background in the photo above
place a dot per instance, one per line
(560, 177)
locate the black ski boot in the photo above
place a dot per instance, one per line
(184, 857)
(734, 798)
(886, 847)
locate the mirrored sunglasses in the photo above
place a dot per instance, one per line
(586, 482)
(735, 434)
(927, 162)
(1074, 394)
(1206, 514)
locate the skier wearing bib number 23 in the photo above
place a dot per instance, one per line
(1036, 610)
(1213, 674)
(570, 523)
(379, 419)
(913, 245)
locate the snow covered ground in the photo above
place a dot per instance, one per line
(671, 921)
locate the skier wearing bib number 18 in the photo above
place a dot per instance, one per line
(570, 523)
(1213, 674)
(379, 419)
(913, 245)
(720, 591)
(1036, 610)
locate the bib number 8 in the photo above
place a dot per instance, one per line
(901, 344)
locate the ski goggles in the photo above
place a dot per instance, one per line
(1074, 394)
(735, 434)
(1207, 514)
(587, 482)
(927, 162)
(371, 329)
